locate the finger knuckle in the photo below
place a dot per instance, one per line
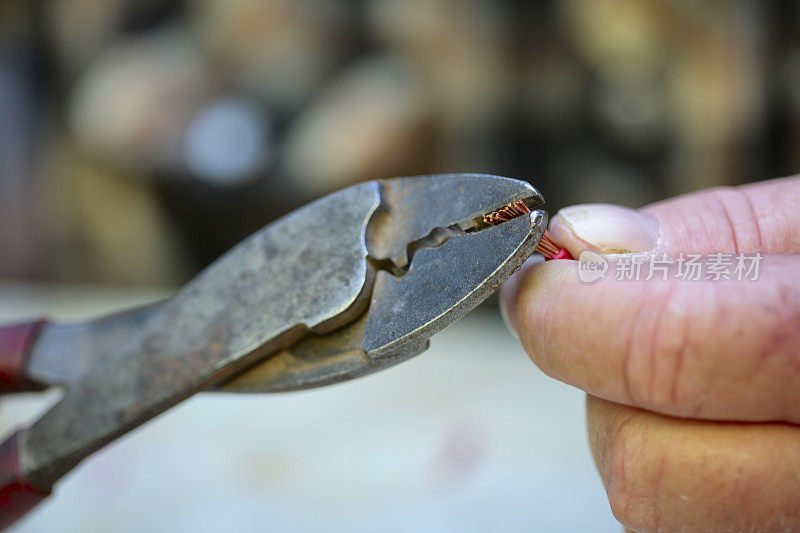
(535, 319)
(655, 350)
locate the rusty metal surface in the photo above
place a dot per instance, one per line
(412, 207)
(312, 362)
(404, 313)
(420, 204)
(287, 309)
(445, 283)
(307, 271)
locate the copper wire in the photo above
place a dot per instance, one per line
(547, 246)
(504, 214)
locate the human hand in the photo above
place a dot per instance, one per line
(693, 405)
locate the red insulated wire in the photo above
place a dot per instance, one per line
(550, 250)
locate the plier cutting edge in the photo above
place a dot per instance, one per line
(349, 284)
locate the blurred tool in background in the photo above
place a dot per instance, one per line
(141, 138)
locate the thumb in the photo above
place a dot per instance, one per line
(723, 349)
(754, 218)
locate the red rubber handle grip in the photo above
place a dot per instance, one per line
(17, 495)
(16, 342)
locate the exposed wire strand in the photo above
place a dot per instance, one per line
(547, 246)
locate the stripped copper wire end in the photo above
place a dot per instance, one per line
(550, 249)
(504, 214)
(547, 246)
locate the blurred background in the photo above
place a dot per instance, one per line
(140, 139)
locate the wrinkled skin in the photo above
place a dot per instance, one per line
(693, 387)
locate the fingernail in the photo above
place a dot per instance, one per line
(605, 229)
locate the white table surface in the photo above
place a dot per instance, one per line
(469, 436)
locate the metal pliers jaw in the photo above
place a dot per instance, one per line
(433, 260)
(351, 283)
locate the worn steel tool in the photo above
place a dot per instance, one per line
(349, 284)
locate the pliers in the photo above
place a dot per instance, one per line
(354, 282)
